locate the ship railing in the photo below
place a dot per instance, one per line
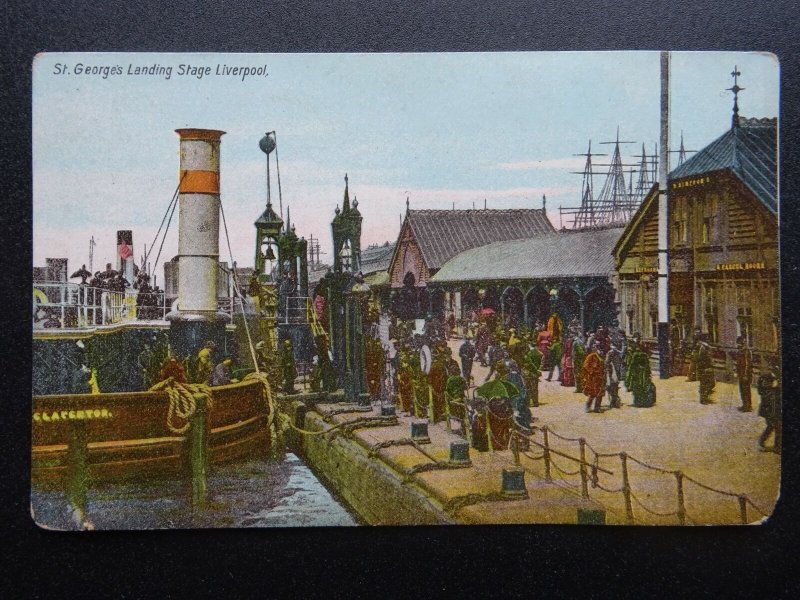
(66, 305)
(295, 310)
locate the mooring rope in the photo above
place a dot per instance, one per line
(182, 403)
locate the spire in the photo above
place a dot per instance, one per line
(735, 89)
(346, 201)
(287, 219)
(681, 151)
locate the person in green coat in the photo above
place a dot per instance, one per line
(531, 366)
(637, 375)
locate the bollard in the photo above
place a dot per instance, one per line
(388, 410)
(419, 431)
(514, 482)
(198, 440)
(459, 453)
(78, 470)
(591, 516)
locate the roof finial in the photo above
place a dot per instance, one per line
(287, 218)
(544, 203)
(346, 201)
(735, 89)
(406, 203)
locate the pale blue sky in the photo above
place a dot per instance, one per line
(439, 128)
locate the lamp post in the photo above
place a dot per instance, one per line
(355, 294)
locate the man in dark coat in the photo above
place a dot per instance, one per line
(744, 372)
(467, 355)
(613, 368)
(288, 369)
(769, 388)
(519, 403)
(691, 348)
(704, 366)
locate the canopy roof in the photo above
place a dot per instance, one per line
(568, 253)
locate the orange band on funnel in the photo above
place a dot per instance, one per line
(199, 182)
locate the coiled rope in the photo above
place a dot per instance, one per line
(182, 403)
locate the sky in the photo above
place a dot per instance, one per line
(443, 130)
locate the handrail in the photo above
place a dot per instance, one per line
(592, 466)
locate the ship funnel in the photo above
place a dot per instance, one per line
(196, 318)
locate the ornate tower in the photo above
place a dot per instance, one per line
(268, 225)
(346, 228)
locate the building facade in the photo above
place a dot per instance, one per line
(723, 246)
(430, 238)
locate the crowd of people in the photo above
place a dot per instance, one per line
(149, 299)
(431, 382)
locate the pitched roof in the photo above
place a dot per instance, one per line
(376, 258)
(441, 234)
(750, 151)
(567, 253)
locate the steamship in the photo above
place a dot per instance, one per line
(127, 428)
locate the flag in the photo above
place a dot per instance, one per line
(125, 251)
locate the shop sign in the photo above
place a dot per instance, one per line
(691, 182)
(740, 266)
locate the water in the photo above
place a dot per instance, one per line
(256, 493)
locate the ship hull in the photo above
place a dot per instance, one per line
(128, 438)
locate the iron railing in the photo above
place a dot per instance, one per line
(77, 306)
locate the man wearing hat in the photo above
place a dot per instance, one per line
(205, 363)
(467, 354)
(222, 372)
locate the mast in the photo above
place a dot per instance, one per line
(92, 244)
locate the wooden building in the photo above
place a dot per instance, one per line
(429, 238)
(723, 246)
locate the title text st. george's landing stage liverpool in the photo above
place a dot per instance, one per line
(160, 70)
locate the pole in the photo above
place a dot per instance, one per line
(681, 499)
(584, 477)
(663, 226)
(78, 470)
(547, 475)
(626, 488)
(198, 436)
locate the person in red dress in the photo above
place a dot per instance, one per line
(567, 375)
(593, 377)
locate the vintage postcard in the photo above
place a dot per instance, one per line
(479, 288)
